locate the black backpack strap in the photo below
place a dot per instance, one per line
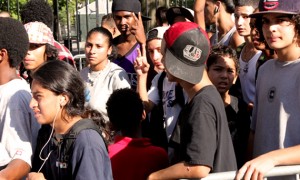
(179, 97)
(70, 137)
(160, 84)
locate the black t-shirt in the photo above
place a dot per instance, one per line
(239, 125)
(202, 135)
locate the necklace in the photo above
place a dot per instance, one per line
(245, 69)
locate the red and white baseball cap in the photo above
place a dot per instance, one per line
(187, 49)
(39, 33)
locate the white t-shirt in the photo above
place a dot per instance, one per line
(112, 77)
(170, 113)
(18, 127)
(247, 77)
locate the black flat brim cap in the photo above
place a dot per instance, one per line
(128, 5)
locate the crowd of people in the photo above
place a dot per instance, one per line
(208, 89)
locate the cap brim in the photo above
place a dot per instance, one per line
(180, 70)
(259, 14)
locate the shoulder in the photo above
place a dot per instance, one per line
(116, 69)
(85, 70)
(207, 100)
(88, 139)
(237, 40)
(155, 79)
(18, 90)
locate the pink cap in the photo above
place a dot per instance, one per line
(39, 33)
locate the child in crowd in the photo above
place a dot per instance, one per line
(18, 127)
(275, 124)
(58, 100)
(102, 77)
(41, 48)
(132, 157)
(202, 121)
(223, 67)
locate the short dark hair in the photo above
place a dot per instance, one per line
(109, 19)
(125, 110)
(218, 51)
(37, 10)
(161, 15)
(253, 3)
(52, 52)
(61, 78)
(106, 33)
(13, 38)
(103, 31)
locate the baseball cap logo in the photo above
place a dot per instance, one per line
(270, 4)
(192, 53)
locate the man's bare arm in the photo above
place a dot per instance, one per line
(16, 169)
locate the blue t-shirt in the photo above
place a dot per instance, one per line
(89, 159)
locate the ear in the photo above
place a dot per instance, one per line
(3, 55)
(217, 7)
(64, 99)
(109, 51)
(114, 31)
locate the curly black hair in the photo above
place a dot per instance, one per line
(296, 20)
(218, 51)
(13, 38)
(37, 10)
(125, 111)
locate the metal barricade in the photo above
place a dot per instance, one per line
(275, 172)
(80, 61)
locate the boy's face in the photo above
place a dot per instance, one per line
(242, 19)
(35, 56)
(154, 50)
(278, 30)
(222, 74)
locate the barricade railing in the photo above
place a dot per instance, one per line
(293, 170)
(80, 61)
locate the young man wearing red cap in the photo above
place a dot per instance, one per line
(201, 138)
(275, 124)
(18, 127)
(128, 18)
